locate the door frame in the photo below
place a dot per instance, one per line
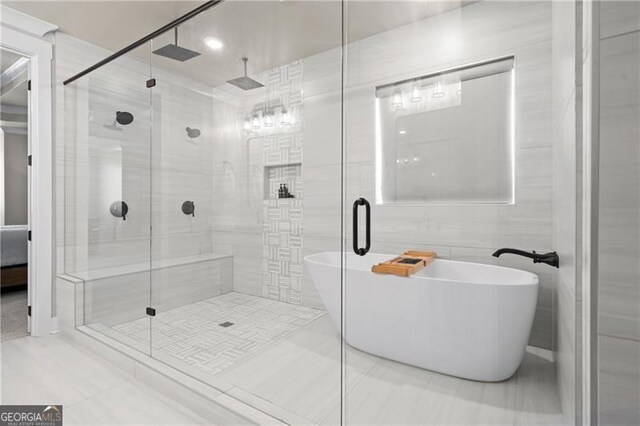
(14, 36)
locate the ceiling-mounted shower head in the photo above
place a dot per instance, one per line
(245, 83)
(193, 133)
(175, 52)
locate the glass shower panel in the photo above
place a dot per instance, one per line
(245, 184)
(447, 153)
(107, 198)
(186, 272)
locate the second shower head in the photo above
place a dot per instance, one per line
(193, 133)
(245, 82)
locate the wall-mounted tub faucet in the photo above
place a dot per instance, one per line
(550, 258)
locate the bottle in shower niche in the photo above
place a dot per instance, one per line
(285, 192)
(281, 191)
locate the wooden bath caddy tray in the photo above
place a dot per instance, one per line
(405, 265)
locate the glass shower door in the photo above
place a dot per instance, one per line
(447, 153)
(234, 306)
(185, 271)
(108, 204)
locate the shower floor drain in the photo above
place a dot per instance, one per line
(226, 324)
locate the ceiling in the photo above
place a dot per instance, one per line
(270, 33)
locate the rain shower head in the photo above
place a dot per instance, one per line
(175, 52)
(245, 83)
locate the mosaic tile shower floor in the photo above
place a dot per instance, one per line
(192, 333)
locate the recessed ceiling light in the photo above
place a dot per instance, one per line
(213, 43)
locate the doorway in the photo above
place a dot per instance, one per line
(14, 202)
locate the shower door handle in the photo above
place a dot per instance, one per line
(361, 202)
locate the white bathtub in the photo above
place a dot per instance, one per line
(463, 319)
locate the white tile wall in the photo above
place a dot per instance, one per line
(619, 222)
(565, 202)
(480, 31)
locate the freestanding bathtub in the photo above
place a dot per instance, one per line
(463, 319)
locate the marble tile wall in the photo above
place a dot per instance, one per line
(282, 232)
(479, 31)
(567, 154)
(619, 221)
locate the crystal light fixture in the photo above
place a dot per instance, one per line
(255, 122)
(415, 93)
(285, 117)
(268, 119)
(438, 93)
(396, 101)
(247, 125)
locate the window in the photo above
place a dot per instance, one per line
(447, 137)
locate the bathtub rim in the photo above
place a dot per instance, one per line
(535, 281)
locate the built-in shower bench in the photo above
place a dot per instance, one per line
(114, 271)
(118, 294)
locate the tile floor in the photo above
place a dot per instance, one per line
(285, 360)
(301, 375)
(215, 334)
(51, 370)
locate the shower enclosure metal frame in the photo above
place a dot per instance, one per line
(173, 24)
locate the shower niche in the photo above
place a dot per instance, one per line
(283, 182)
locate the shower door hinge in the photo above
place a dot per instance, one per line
(29, 310)
(29, 235)
(29, 85)
(29, 159)
(151, 82)
(151, 312)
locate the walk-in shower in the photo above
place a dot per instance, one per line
(441, 116)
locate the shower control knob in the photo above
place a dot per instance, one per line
(119, 209)
(189, 208)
